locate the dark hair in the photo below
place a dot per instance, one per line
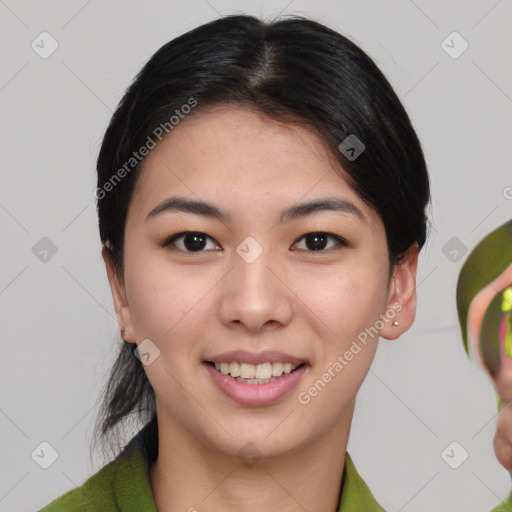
(294, 70)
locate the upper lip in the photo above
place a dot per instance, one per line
(268, 356)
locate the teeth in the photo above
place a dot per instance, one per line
(256, 381)
(277, 369)
(247, 371)
(250, 371)
(234, 369)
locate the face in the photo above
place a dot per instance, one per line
(253, 281)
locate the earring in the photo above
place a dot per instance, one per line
(395, 323)
(123, 333)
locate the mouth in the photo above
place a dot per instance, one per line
(244, 384)
(255, 374)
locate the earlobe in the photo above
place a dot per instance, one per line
(401, 306)
(119, 296)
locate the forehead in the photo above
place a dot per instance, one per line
(241, 156)
(234, 140)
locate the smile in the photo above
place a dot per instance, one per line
(246, 372)
(255, 385)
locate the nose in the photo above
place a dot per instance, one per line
(255, 295)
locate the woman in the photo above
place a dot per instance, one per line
(261, 199)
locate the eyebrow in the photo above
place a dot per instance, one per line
(209, 210)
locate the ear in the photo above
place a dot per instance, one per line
(118, 294)
(402, 295)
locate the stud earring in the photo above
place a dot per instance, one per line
(395, 323)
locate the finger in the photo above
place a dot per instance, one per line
(503, 451)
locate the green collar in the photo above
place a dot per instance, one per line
(123, 485)
(355, 494)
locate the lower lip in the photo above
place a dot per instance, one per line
(256, 394)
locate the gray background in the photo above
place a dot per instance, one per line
(58, 324)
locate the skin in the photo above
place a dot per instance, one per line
(503, 381)
(311, 304)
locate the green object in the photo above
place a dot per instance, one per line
(123, 485)
(506, 304)
(486, 262)
(506, 308)
(494, 339)
(504, 506)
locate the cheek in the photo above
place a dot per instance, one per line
(172, 311)
(162, 303)
(345, 352)
(351, 306)
(356, 297)
(347, 302)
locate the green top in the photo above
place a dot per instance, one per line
(123, 485)
(504, 506)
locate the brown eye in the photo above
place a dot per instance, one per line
(317, 241)
(193, 241)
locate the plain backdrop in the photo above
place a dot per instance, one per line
(58, 329)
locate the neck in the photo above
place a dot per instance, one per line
(189, 475)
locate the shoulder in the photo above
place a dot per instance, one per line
(97, 493)
(504, 506)
(121, 485)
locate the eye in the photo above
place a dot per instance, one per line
(193, 241)
(316, 241)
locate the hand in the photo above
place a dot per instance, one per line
(503, 437)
